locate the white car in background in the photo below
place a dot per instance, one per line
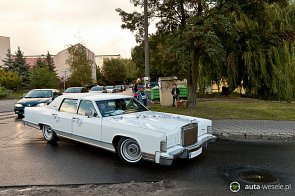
(110, 89)
(98, 89)
(123, 125)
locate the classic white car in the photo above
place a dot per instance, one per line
(123, 125)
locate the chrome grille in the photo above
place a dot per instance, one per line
(189, 134)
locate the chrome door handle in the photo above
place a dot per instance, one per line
(53, 114)
(75, 118)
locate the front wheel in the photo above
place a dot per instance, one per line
(49, 134)
(129, 151)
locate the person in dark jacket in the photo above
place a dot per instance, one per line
(175, 94)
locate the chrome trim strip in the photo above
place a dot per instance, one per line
(31, 124)
(92, 142)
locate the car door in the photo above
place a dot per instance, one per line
(62, 118)
(87, 122)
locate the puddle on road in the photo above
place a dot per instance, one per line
(249, 175)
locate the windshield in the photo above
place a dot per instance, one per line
(39, 94)
(116, 107)
(96, 88)
(73, 90)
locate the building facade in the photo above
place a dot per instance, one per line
(4, 46)
(101, 59)
(63, 69)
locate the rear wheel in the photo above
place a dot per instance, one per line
(129, 150)
(49, 134)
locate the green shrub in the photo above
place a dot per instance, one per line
(9, 79)
(3, 92)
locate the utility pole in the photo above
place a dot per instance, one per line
(65, 79)
(146, 42)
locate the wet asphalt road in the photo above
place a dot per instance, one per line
(27, 159)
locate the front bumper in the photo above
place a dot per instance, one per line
(19, 110)
(183, 152)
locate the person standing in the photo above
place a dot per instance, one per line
(175, 94)
(141, 96)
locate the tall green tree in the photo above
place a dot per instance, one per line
(131, 70)
(114, 71)
(8, 61)
(261, 54)
(80, 66)
(49, 61)
(19, 66)
(180, 20)
(40, 63)
(248, 41)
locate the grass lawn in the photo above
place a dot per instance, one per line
(16, 94)
(236, 108)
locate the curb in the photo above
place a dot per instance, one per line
(252, 136)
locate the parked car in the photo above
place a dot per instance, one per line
(118, 88)
(98, 89)
(121, 124)
(111, 89)
(76, 90)
(35, 97)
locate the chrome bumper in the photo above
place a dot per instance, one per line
(183, 152)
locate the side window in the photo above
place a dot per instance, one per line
(87, 107)
(69, 105)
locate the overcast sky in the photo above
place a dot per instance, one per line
(38, 26)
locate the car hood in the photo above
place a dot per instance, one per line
(34, 101)
(157, 121)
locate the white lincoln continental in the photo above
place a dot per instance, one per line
(123, 125)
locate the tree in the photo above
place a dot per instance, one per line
(80, 66)
(262, 51)
(49, 61)
(40, 63)
(114, 71)
(42, 77)
(99, 76)
(8, 61)
(174, 19)
(248, 41)
(9, 79)
(131, 70)
(19, 66)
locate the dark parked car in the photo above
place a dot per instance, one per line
(76, 90)
(35, 98)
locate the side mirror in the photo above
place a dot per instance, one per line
(88, 114)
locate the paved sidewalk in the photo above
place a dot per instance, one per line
(7, 105)
(255, 129)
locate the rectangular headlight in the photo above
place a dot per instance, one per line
(41, 104)
(163, 146)
(18, 105)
